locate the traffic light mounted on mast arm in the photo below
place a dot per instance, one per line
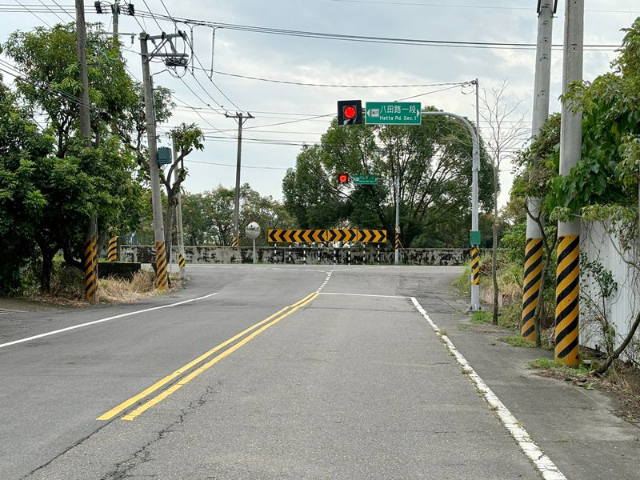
(349, 112)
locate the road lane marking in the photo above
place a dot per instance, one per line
(363, 295)
(541, 461)
(203, 368)
(159, 384)
(102, 320)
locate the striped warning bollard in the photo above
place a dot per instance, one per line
(161, 266)
(348, 257)
(90, 264)
(531, 290)
(567, 300)
(304, 255)
(112, 251)
(235, 243)
(181, 261)
(378, 255)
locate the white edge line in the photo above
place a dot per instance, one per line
(364, 295)
(62, 330)
(542, 462)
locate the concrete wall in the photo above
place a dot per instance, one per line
(597, 245)
(300, 255)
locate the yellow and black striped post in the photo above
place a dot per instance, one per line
(181, 261)
(90, 265)
(235, 243)
(475, 266)
(112, 251)
(531, 290)
(161, 266)
(567, 300)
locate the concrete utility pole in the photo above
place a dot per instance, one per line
(475, 287)
(568, 267)
(115, 8)
(154, 170)
(241, 119)
(533, 249)
(90, 257)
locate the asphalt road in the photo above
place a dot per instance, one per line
(351, 382)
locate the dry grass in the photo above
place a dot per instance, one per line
(115, 290)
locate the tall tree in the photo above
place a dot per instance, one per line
(77, 182)
(506, 133)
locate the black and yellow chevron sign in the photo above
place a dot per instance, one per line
(373, 236)
(276, 235)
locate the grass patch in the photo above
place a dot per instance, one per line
(549, 364)
(480, 316)
(142, 285)
(517, 341)
(463, 326)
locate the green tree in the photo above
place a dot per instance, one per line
(208, 216)
(22, 149)
(77, 182)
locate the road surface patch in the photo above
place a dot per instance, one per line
(542, 462)
(102, 320)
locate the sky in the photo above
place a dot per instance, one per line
(284, 113)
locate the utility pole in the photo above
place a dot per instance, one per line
(533, 249)
(172, 58)
(181, 259)
(115, 8)
(397, 236)
(241, 119)
(568, 266)
(90, 257)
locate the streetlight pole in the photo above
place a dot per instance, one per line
(475, 237)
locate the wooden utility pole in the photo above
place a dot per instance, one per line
(90, 257)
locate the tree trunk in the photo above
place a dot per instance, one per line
(168, 225)
(538, 309)
(618, 351)
(45, 272)
(494, 249)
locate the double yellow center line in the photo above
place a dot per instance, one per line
(257, 329)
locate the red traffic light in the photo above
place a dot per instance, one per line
(350, 112)
(343, 178)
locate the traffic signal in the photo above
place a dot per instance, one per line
(343, 178)
(98, 6)
(349, 112)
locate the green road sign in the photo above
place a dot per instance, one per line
(364, 179)
(474, 237)
(393, 113)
